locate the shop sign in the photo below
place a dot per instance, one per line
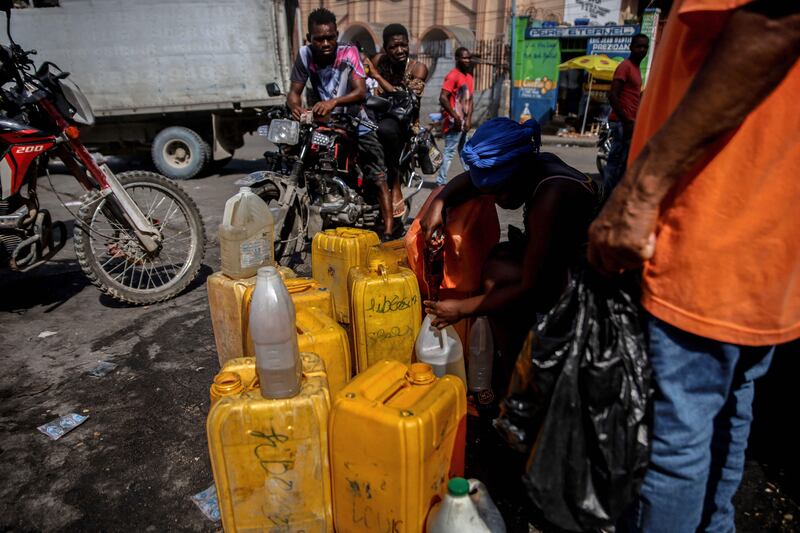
(581, 31)
(649, 27)
(535, 88)
(610, 46)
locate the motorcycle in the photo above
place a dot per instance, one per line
(138, 236)
(313, 182)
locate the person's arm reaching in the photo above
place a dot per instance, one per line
(758, 45)
(551, 231)
(457, 191)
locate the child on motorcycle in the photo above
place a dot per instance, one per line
(396, 73)
(338, 81)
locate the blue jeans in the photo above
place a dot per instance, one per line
(617, 156)
(703, 410)
(453, 142)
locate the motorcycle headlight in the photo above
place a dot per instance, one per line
(282, 131)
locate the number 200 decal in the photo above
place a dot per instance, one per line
(29, 149)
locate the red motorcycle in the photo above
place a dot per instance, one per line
(138, 236)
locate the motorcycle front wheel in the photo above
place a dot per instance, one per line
(113, 259)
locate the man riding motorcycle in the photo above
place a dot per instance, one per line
(338, 81)
(396, 73)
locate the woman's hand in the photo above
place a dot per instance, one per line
(446, 312)
(432, 223)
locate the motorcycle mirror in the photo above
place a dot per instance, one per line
(376, 103)
(273, 89)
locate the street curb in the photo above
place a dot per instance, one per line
(551, 140)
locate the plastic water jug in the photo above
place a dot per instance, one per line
(480, 356)
(333, 253)
(246, 235)
(397, 434)
(442, 349)
(466, 508)
(272, 327)
(384, 312)
(270, 457)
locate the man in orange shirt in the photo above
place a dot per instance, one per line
(708, 207)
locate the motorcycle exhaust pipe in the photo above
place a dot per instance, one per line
(333, 208)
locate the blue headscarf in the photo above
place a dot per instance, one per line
(498, 148)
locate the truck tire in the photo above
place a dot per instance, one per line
(180, 153)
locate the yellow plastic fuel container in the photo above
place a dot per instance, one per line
(390, 251)
(307, 293)
(333, 253)
(317, 332)
(226, 298)
(397, 434)
(269, 457)
(385, 311)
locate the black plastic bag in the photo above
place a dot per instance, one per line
(580, 400)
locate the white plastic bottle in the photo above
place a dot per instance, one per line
(487, 510)
(441, 349)
(480, 356)
(272, 326)
(246, 235)
(456, 513)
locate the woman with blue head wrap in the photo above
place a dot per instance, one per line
(525, 275)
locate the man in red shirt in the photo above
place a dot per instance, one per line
(625, 94)
(456, 101)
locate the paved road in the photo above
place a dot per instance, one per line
(134, 463)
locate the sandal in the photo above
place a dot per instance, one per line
(399, 209)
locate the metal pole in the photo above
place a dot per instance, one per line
(511, 61)
(588, 101)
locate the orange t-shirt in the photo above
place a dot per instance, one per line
(727, 258)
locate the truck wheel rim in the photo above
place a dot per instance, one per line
(177, 153)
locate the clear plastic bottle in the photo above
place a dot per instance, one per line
(526, 114)
(272, 326)
(456, 513)
(480, 355)
(246, 235)
(440, 348)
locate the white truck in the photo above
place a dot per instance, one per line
(183, 78)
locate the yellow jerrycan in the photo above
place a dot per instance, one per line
(333, 253)
(317, 332)
(385, 313)
(397, 434)
(226, 299)
(391, 252)
(269, 457)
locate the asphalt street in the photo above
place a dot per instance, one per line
(133, 465)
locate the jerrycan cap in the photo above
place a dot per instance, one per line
(420, 374)
(226, 383)
(458, 486)
(245, 190)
